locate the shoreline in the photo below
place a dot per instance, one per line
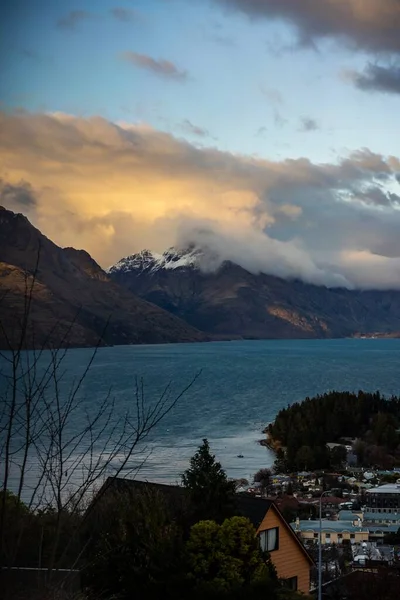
(269, 442)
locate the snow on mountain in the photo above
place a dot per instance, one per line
(152, 262)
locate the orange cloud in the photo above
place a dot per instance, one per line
(115, 189)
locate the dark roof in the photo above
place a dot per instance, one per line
(286, 501)
(173, 495)
(248, 506)
(120, 484)
(253, 508)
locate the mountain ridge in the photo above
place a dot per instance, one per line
(74, 302)
(230, 300)
(192, 257)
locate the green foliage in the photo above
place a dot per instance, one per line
(225, 557)
(305, 429)
(211, 494)
(263, 477)
(338, 456)
(13, 505)
(29, 535)
(305, 458)
(280, 464)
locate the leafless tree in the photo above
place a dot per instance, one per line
(54, 450)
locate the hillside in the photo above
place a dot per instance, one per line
(74, 302)
(231, 301)
(306, 428)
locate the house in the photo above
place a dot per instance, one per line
(332, 532)
(383, 499)
(288, 555)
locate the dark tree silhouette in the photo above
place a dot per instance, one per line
(211, 494)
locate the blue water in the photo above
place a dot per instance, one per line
(242, 386)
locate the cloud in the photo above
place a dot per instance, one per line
(18, 196)
(279, 120)
(189, 127)
(273, 95)
(308, 124)
(161, 67)
(376, 78)
(222, 40)
(72, 19)
(261, 131)
(116, 188)
(371, 25)
(126, 15)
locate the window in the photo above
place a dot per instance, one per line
(290, 584)
(269, 539)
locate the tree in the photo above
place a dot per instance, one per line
(338, 456)
(211, 494)
(305, 458)
(359, 449)
(333, 416)
(263, 477)
(280, 464)
(225, 557)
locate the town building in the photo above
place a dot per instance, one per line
(384, 499)
(288, 555)
(332, 532)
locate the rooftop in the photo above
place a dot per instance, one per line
(328, 526)
(387, 488)
(246, 505)
(383, 528)
(348, 515)
(379, 516)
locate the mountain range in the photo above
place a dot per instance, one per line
(182, 295)
(227, 300)
(72, 301)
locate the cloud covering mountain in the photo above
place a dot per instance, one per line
(115, 188)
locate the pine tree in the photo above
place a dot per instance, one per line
(211, 494)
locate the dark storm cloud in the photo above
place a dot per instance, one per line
(72, 19)
(18, 196)
(369, 24)
(160, 67)
(376, 78)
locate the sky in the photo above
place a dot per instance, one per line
(267, 130)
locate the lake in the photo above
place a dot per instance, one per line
(242, 386)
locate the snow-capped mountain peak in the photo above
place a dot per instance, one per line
(173, 258)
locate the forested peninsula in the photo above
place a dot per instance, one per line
(366, 425)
